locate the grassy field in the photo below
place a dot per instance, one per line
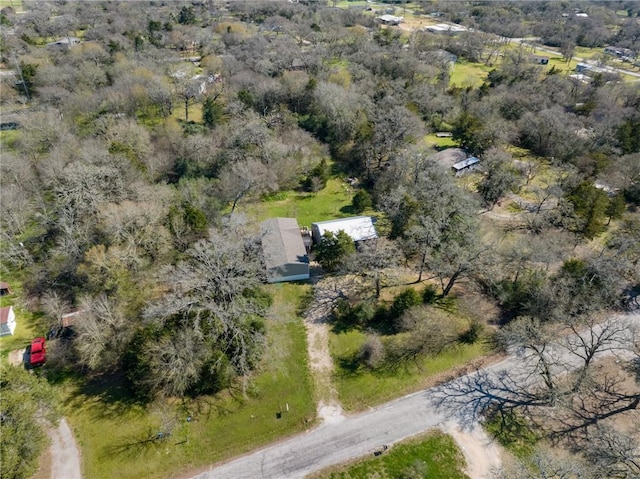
(359, 387)
(8, 139)
(440, 143)
(332, 202)
(431, 456)
(118, 437)
(15, 4)
(468, 74)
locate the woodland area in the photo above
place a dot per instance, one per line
(123, 185)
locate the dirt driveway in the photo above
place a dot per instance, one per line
(64, 455)
(16, 358)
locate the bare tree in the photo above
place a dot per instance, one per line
(213, 296)
(553, 383)
(103, 333)
(245, 177)
(55, 307)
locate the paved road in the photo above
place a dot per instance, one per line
(357, 435)
(612, 69)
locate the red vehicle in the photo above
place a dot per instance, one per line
(38, 352)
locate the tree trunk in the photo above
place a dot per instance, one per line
(422, 262)
(450, 284)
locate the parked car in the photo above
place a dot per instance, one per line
(38, 352)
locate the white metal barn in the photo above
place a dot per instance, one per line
(360, 228)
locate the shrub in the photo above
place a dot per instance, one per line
(372, 351)
(429, 294)
(348, 315)
(362, 201)
(472, 334)
(333, 249)
(405, 300)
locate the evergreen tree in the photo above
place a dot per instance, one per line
(333, 249)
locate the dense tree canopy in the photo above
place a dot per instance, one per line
(139, 150)
(26, 402)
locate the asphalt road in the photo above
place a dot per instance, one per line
(361, 434)
(611, 68)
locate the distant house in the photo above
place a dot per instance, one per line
(285, 255)
(5, 288)
(64, 43)
(539, 59)
(446, 28)
(7, 321)
(579, 77)
(592, 70)
(583, 67)
(618, 51)
(390, 20)
(582, 15)
(297, 65)
(467, 164)
(360, 228)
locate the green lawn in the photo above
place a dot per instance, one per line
(432, 456)
(8, 139)
(468, 74)
(332, 202)
(359, 387)
(440, 143)
(16, 4)
(116, 435)
(584, 52)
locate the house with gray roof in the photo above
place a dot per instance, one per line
(285, 255)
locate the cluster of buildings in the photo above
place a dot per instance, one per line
(286, 246)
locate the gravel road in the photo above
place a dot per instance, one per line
(65, 459)
(361, 434)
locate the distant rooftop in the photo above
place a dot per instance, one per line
(446, 28)
(461, 165)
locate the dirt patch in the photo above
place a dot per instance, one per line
(16, 358)
(321, 362)
(482, 454)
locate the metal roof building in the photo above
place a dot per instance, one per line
(285, 255)
(461, 165)
(360, 228)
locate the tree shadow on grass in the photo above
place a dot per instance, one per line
(138, 445)
(348, 210)
(349, 365)
(111, 393)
